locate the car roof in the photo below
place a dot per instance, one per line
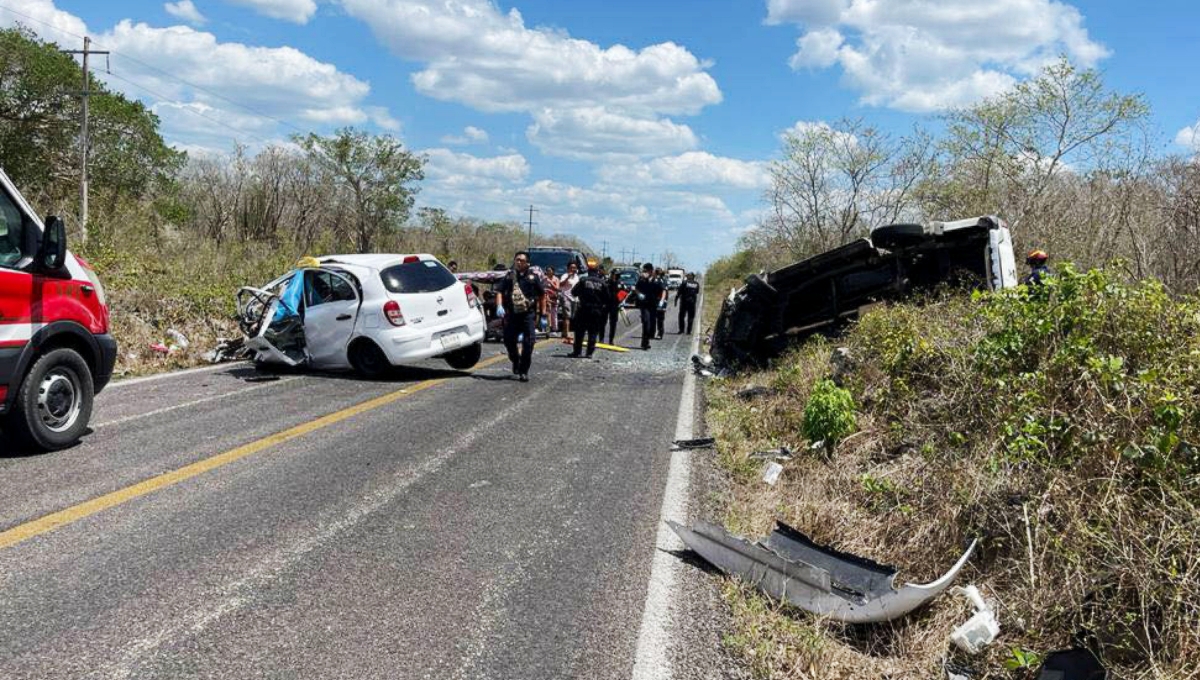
(372, 260)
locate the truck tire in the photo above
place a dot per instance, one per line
(54, 402)
(465, 358)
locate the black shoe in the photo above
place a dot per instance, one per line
(589, 356)
(574, 355)
(524, 377)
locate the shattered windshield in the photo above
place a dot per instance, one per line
(426, 276)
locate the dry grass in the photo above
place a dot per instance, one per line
(1078, 540)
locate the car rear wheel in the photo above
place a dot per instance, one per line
(369, 361)
(465, 358)
(54, 403)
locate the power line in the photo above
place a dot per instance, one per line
(188, 109)
(159, 70)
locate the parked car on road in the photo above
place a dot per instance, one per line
(557, 257)
(366, 312)
(55, 350)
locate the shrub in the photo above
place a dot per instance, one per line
(829, 415)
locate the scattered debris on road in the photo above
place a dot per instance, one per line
(701, 443)
(981, 629)
(228, 350)
(790, 566)
(819, 294)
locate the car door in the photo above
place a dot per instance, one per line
(331, 304)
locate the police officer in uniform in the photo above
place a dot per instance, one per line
(650, 294)
(518, 298)
(688, 293)
(591, 295)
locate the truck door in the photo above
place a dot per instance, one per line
(16, 286)
(331, 306)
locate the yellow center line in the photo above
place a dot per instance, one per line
(50, 522)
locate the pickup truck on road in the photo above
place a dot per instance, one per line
(55, 349)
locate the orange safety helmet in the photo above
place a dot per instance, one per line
(1037, 256)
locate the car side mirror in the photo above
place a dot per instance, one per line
(52, 254)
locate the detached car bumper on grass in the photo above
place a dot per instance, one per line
(366, 312)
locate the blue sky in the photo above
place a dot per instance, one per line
(646, 125)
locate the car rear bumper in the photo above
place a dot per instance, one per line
(404, 345)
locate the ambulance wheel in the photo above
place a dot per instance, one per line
(54, 403)
(465, 358)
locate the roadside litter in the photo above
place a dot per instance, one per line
(981, 629)
(771, 473)
(755, 392)
(790, 566)
(1072, 664)
(782, 453)
(702, 443)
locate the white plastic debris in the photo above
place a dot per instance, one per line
(771, 473)
(981, 629)
(180, 339)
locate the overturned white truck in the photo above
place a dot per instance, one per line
(759, 320)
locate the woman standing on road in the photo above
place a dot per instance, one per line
(550, 300)
(565, 285)
(615, 297)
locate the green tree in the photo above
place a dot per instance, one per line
(375, 171)
(39, 134)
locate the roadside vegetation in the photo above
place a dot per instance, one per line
(173, 236)
(1056, 424)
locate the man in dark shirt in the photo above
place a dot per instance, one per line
(688, 293)
(591, 296)
(650, 293)
(518, 298)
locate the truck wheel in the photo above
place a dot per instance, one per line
(369, 361)
(54, 403)
(466, 357)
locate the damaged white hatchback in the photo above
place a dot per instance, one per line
(366, 312)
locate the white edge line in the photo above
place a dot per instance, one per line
(173, 374)
(653, 659)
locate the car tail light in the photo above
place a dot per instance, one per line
(472, 301)
(392, 311)
(411, 258)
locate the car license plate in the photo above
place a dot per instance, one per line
(452, 341)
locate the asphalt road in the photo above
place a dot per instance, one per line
(459, 525)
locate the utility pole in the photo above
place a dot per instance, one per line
(625, 257)
(604, 251)
(531, 223)
(83, 137)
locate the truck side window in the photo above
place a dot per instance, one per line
(12, 232)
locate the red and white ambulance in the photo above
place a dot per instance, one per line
(55, 350)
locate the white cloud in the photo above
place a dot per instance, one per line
(1189, 137)
(595, 132)
(817, 49)
(279, 82)
(192, 78)
(42, 12)
(295, 11)
(694, 168)
(450, 168)
(476, 55)
(186, 11)
(470, 135)
(916, 55)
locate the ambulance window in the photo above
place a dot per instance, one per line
(12, 229)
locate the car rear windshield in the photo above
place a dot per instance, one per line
(559, 259)
(426, 276)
